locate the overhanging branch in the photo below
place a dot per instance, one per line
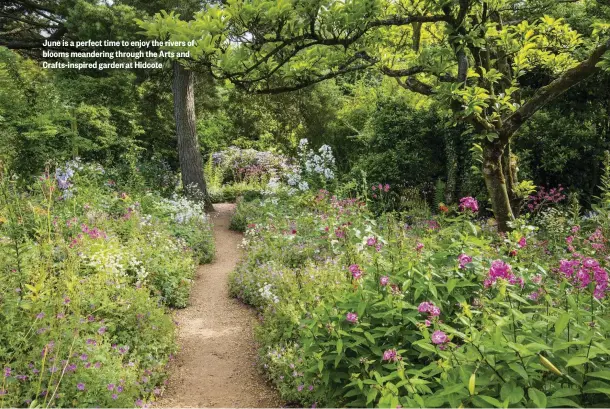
(547, 93)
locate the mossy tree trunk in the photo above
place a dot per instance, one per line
(189, 155)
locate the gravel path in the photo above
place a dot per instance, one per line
(216, 363)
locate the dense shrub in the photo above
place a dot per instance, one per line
(364, 311)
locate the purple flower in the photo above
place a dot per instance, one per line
(424, 307)
(391, 355)
(355, 270)
(384, 280)
(7, 372)
(500, 269)
(352, 317)
(80, 386)
(469, 203)
(464, 259)
(84, 357)
(102, 330)
(439, 337)
(110, 386)
(300, 387)
(40, 315)
(310, 388)
(434, 311)
(115, 396)
(371, 241)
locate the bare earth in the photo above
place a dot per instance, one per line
(215, 366)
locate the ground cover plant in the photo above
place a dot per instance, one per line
(360, 310)
(89, 272)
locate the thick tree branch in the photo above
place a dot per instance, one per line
(547, 93)
(311, 81)
(406, 20)
(404, 72)
(415, 85)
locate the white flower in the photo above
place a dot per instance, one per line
(303, 186)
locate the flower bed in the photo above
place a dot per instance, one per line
(88, 273)
(358, 310)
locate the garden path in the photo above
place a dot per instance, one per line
(215, 366)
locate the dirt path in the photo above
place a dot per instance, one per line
(216, 363)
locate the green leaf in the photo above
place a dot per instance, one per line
(600, 374)
(562, 323)
(369, 337)
(489, 400)
(538, 398)
(339, 345)
(371, 395)
(512, 392)
(361, 308)
(577, 360)
(519, 369)
(561, 403)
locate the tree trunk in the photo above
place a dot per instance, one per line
(417, 36)
(509, 168)
(191, 162)
(452, 168)
(496, 185)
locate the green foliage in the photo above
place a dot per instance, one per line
(88, 271)
(533, 338)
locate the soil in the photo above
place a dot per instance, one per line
(216, 364)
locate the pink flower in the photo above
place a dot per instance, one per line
(419, 247)
(469, 203)
(500, 269)
(384, 281)
(439, 337)
(352, 317)
(386, 188)
(537, 279)
(391, 355)
(424, 307)
(464, 259)
(427, 323)
(522, 242)
(434, 311)
(355, 270)
(371, 241)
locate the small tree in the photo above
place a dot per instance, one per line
(473, 56)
